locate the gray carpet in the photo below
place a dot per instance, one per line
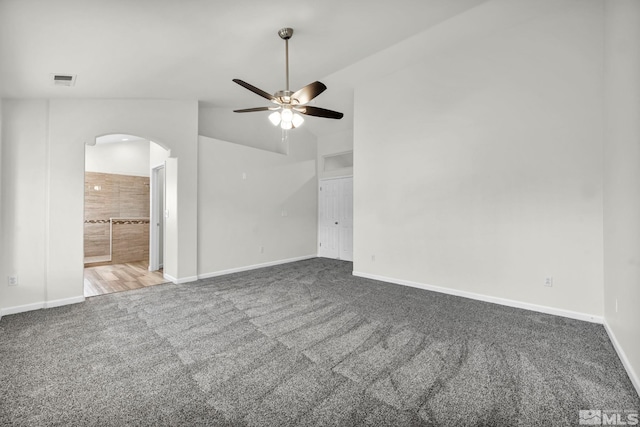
(302, 344)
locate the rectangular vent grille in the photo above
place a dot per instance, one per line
(64, 79)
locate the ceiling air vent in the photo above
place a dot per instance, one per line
(63, 79)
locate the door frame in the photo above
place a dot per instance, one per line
(157, 215)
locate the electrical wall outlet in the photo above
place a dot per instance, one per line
(548, 281)
(12, 280)
(261, 249)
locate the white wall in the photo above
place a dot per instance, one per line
(171, 252)
(157, 154)
(237, 216)
(24, 201)
(2, 233)
(3, 242)
(622, 179)
(480, 169)
(122, 158)
(43, 182)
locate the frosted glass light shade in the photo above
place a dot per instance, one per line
(285, 125)
(297, 120)
(286, 115)
(274, 118)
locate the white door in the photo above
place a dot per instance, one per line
(156, 230)
(335, 219)
(160, 222)
(328, 232)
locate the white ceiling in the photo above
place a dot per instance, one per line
(192, 49)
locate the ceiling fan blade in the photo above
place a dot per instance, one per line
(319, 112)
(251, 110)
(309, 92)
(256, 90)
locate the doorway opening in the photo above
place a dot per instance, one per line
(118, 227)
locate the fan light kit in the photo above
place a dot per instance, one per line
(290, 105)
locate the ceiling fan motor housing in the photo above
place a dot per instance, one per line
(284, 96)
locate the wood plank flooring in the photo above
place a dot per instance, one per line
(107, 279)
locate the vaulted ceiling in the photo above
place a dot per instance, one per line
(192, 49)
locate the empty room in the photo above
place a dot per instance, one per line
(349, 213)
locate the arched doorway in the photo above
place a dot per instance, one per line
(120, 234)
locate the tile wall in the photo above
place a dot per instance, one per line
(124, 198)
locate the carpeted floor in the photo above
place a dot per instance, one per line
(302, 344)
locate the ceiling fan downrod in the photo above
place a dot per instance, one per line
(285, 34)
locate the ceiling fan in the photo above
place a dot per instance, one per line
(289, 103)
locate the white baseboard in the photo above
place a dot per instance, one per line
(186, 279)
(21, 308)
(633, 376)
(64, 301)
(180, 280)
(39, 305)
(480, 297)
(254, 266)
